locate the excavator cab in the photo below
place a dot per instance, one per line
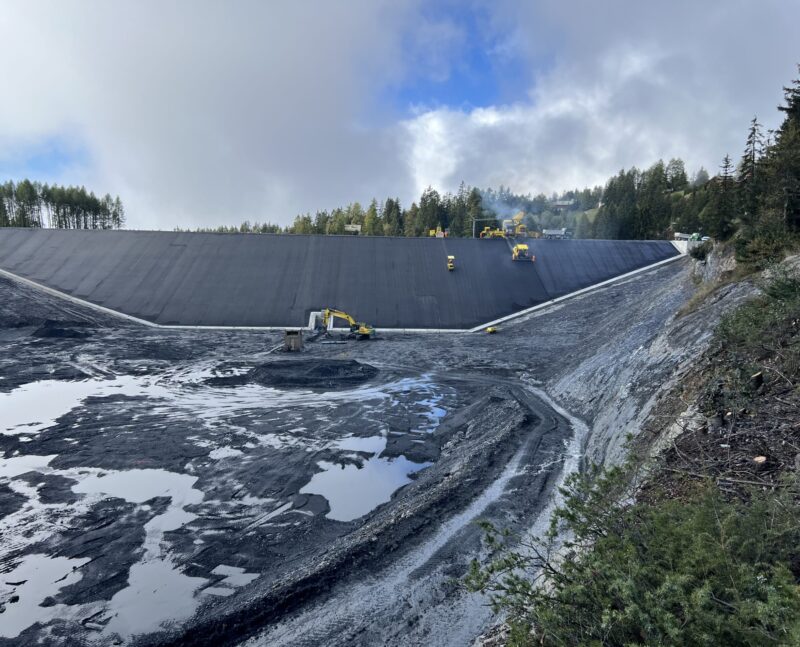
(451, 263)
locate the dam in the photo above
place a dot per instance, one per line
(272, 281)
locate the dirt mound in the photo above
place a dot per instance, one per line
(313, 373)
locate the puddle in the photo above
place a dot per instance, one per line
(224, 452)
(157, 593)
(35, 578)
(353, 492)
(234, 576)
(372, 445)
(38, 405)
(157, 589)
(16, 465)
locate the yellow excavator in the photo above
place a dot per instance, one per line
(357, 328)
(514, 227)
(488, 232)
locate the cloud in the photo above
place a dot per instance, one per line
(210, 112)
(202, 113)
(627, 83)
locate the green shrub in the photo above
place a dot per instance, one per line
(699, 252)
(763, 248)
(762, 334)
(700, 572)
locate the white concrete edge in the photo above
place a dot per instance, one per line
(76, 300)
(596, 286)
(482, 327)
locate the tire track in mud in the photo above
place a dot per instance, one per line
(409, 602)
(366, 599)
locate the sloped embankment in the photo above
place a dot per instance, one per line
(617, 389)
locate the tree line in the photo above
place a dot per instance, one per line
(755, 201)
(33, 204)
(460, 214)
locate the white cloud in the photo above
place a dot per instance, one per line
(629, 83)
(211, 112)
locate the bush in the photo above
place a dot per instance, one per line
(699, 252)
(762, 249)
(764, 329)
(700, 572)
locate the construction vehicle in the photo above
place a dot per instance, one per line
(438, 232)
(357, 328)
(491, 330)
(451, 263)
(488, 232)
(520, 253)
(514, 227)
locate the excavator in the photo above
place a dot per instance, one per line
(357, 328)
(514, 227)
(488, 232)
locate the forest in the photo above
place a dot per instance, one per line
(32, 204)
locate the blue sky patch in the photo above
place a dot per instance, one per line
(45, 161)
(481, 69)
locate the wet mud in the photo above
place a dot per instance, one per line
(329, 374)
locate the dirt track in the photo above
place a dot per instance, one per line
(290, 515)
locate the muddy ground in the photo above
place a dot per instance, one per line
(189, 487)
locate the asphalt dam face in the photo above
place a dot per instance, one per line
(193, 279)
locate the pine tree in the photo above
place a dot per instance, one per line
(410, 218)
(786, 158)
(676, 175)
(475, 213)
(430, 211)
(392, 218)
(717, 217)
(372, 224)
(749, 177)
(700, 178)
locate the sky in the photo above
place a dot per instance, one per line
(208, 112)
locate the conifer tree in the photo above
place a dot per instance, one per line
(749, 177)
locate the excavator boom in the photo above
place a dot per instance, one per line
(358, 328)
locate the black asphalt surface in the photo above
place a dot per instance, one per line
(174, 278)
